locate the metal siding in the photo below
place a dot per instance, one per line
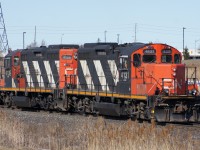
(87, 75)
(57, 62)
(114, 71)
(49, 73)
(13, 83)
(54, 69)
(27, 73)
(33, 73)
(38, 74)
(8, 79)
(44, 73)
(81, 78)
(95, 78)
(101, 75)
(108, 74)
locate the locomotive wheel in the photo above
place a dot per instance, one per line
(68, 105)
(81, 107)
(8, 102)
(45, 104)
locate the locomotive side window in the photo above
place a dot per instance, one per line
(38, 54)
(101, 52)
(16, 60)
(166, 58)
(124, 62)
(136, 60)
(177, 59)
(149, 58)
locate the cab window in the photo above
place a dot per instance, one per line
(166, 58)
(136, 60)
(177, 59)
(16, 60)
(149, 58)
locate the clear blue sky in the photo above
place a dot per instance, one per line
(86, 20)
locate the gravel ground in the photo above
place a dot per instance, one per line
(71, 121)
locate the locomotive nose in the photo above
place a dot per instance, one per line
(169, 78)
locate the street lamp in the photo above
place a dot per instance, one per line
(23, 39)
(196, 48)
(62, 37)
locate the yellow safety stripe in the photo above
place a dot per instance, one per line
(178, 97)
(78, 92)
(26, 89)
(104, 94)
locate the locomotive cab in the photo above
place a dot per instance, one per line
(68, 68)
(156, 69)
(12, 69)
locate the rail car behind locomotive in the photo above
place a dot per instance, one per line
(138, 80)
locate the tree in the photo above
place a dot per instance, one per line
(34, 44)
(186, 53)
(43, 43)
(98, 40)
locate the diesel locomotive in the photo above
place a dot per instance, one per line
(137, 80)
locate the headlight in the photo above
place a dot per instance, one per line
(174, 74)
(174, 69)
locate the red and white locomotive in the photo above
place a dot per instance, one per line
(139, 80)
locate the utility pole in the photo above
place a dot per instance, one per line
(105, 35)
(35, 37)
(61, 38)
(118, 38)
(183, 40)
(3, 36)
(135, 32)
(23, 39)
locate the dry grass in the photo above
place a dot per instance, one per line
(92, 135)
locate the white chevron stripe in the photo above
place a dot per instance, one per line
(49, 74)
(86, 73)
(114, 71)
(27, 72)
(13, 83)
(101, 75)
(57, 62)
(38, 74)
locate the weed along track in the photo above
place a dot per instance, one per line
(42, 130)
